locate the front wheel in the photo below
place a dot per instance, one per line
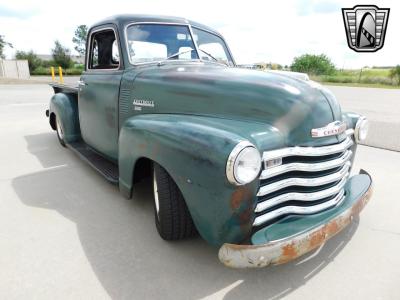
(173, 220)
(60, 132)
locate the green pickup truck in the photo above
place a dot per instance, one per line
(257, 163)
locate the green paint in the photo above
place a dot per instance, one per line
(201, 111)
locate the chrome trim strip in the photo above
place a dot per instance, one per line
(349, 131)
(266, 189)
(300, 210)
(307, 167)
(301, 196)
(308, 151)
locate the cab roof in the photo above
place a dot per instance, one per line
(122, 20)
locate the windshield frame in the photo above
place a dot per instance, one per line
(189, 26)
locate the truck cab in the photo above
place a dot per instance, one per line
(257, 163)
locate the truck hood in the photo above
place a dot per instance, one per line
(293, 107)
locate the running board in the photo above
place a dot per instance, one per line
(105, 167)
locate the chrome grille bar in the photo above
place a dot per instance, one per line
(298, 210)
(307, 167)
(308, 151)
(266, 189)
(301, 196)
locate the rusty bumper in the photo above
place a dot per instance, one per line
(283, 250)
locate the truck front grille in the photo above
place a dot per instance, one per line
(308, 180)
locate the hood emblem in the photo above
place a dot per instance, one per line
(333, 128)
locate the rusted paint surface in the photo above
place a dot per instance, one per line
(274, 253)
(241, 195)
(241, 203)
(288, 251)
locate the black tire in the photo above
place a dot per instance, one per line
(60, 132)
(172, 217)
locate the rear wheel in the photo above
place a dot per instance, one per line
(60, 132)
(173, 220)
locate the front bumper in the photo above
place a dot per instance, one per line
(294, 236)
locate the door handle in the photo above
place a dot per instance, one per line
(81, 83)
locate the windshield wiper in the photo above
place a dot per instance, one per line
(214, 58)
(190, 50)
(175, 54)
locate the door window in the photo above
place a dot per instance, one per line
(104, 51)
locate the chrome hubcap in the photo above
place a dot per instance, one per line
(155, 191)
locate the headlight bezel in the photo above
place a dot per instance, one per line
(231, 163)
(361, 123)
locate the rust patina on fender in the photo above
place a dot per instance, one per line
(303, 234)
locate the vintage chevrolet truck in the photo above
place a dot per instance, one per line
(257, 163)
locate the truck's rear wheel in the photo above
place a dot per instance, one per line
(173, 220)
(60, 132)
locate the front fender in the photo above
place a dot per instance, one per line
(65, 107)
(194, 151)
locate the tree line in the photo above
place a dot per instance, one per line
(322, 66)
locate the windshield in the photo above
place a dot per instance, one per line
(160, 42)
(156, 42)
(212, 47)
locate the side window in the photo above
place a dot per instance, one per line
(104, 52)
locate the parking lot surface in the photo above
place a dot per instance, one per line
(380, 106)
(66, 233)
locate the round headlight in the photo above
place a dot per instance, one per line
(361, 130)
(244, 163)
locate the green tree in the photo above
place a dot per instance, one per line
(79, 39)
(3, 44)
(395, 74)
(61, 55)
(33, 61)
(313, 64)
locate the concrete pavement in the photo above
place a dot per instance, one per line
(380, 106)
(66, 233)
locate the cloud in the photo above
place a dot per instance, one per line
(256, 30)
(16, 13)
(309, 7)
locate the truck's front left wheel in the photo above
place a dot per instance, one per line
(173, 220)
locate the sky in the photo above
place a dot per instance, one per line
(256, 31)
